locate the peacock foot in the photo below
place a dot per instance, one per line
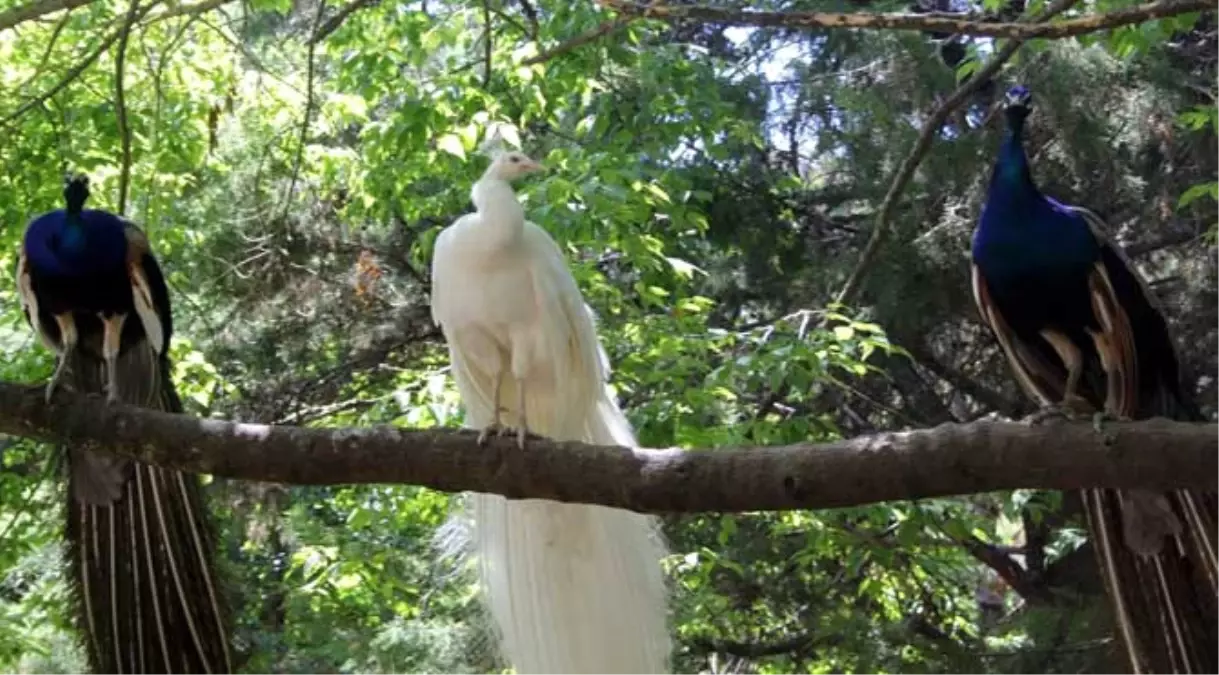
(53, 385)
(493, 428)
(1071, 409)
(1099, 419)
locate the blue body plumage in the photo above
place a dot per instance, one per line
(78, 263)
(1079, 326)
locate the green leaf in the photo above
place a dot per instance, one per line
(451, 143)
(1197, 192)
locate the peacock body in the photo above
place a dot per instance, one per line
(140, 542)
(1081, 329)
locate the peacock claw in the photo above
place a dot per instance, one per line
(1099, 419)
(500, 431)
(1048, 413)
(486, 433)
(1070, 409)
(50, 391)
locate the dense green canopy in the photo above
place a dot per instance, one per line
(713, 188)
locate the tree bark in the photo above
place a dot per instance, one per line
(949, 459)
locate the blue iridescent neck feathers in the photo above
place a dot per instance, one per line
(1021, 231)
(74, 241)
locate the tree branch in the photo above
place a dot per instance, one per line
(34, 10)
(332, 24)
(307, 117)
(947, 460)
(120, 106)
(961, 25)
(188, 10)
(600, 31)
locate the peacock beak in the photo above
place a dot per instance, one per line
(532, 166)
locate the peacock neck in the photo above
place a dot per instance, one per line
(1012, 182)
(498, 208)
(73, 240)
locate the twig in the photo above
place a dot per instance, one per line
(910, 21)
(304, 135)
(488, 43)
(332, 24)
(189, 10)
(73, 73)
(604, 29)
(46, 53)
(532, 15)
(18, 15)
(120, 106)
(926, 136)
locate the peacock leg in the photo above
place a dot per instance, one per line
(495, 419)
(112, 334)
(522, 429)
(1072, 404)
(1117, 387)
(67, 343)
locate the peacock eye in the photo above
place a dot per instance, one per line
(514, 160)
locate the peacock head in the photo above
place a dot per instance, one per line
(510, 166)
(75, 192)
(1018, 103)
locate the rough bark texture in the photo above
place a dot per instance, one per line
(946, 460)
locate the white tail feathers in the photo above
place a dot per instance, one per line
(572, 588)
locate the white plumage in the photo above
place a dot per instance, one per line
(572, 588)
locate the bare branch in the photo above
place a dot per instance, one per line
(946, 460)
(307, 117)
(488, 43)
(885, 217)
(332, 24)
(189, 10)
(120, 106)
(18, 15)
(604, 29)
(961, 25)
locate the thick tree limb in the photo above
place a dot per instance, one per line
(946, 460)
(962, 25)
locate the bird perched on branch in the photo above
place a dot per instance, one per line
(1082, 332)
(572, 588)
(140, 542)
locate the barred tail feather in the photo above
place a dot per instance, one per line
(140, 543)
(1165, 604)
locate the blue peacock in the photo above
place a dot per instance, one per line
(1082, 331)
(140, 542)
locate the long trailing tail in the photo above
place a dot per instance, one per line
(1160, 565)
(140, 541)
(572, 588)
